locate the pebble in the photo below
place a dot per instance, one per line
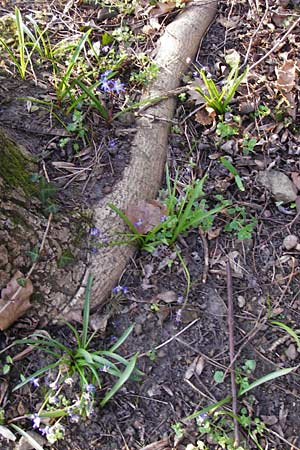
(290, 242)
(241, 301)
(138, 329)
(291, 352)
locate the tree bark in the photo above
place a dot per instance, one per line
(22, 229)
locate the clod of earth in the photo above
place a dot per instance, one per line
(142, 178)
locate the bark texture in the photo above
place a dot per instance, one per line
(142, 178)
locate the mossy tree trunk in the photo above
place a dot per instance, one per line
(22, 228)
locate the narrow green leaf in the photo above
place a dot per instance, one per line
(289, 330)
(86, 311)
(123, 378)
(239, 183)
(269, 377)
(97, 103)
(64, 82)
(121, 339)
(36, 374)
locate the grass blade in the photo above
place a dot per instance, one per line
(121, 339)
(289, 330)
(36, 375)
(95, 100)
(64, 82)
(269, 377)
(86, 311)
(123, 378)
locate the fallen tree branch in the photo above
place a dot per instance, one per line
(142, 178)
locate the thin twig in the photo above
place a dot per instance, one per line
(172, 338)
(231, 354)
(280, 41)
(206, 258)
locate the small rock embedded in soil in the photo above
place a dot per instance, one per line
(279, 184)
(291, 352)
(23, 443)
(290, 242)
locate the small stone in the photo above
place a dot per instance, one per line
(290, 242)
(297, 247)
(241, 301)
(279, 184)
(24, 444)
(107, 189)
(291, 352)
(138, 329)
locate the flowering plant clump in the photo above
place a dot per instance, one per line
(74, 377)
(109, 85)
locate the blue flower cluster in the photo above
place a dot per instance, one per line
(107, 84)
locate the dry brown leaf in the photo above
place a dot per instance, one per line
(146, 215)
(196, 367)
(231, 22)
(14, 301)
(213, 233)
(163, 313)
(286, 76)
(205, 116)
(162, 8)
(280, 17)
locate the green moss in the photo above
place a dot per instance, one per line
(15, 166)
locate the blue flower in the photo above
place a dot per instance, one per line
(163, 218)
(178, 316)
(74, 418)
(36, 420)
(105, 75)
(93, 249)
(105, 49)
(138, 223)
(89, 388)
(118, 86)
(94, 231)
(107, 85)
(120, 290)
(35, 382)
(112, 143)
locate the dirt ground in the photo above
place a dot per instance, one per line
(265, 271)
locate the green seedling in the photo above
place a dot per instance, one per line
(78, 128)
(240, 223)
(78, 365)
(220, 99)
(227, 164)
(248, 145)
(226, 130)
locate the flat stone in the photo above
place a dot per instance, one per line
(279, 184)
